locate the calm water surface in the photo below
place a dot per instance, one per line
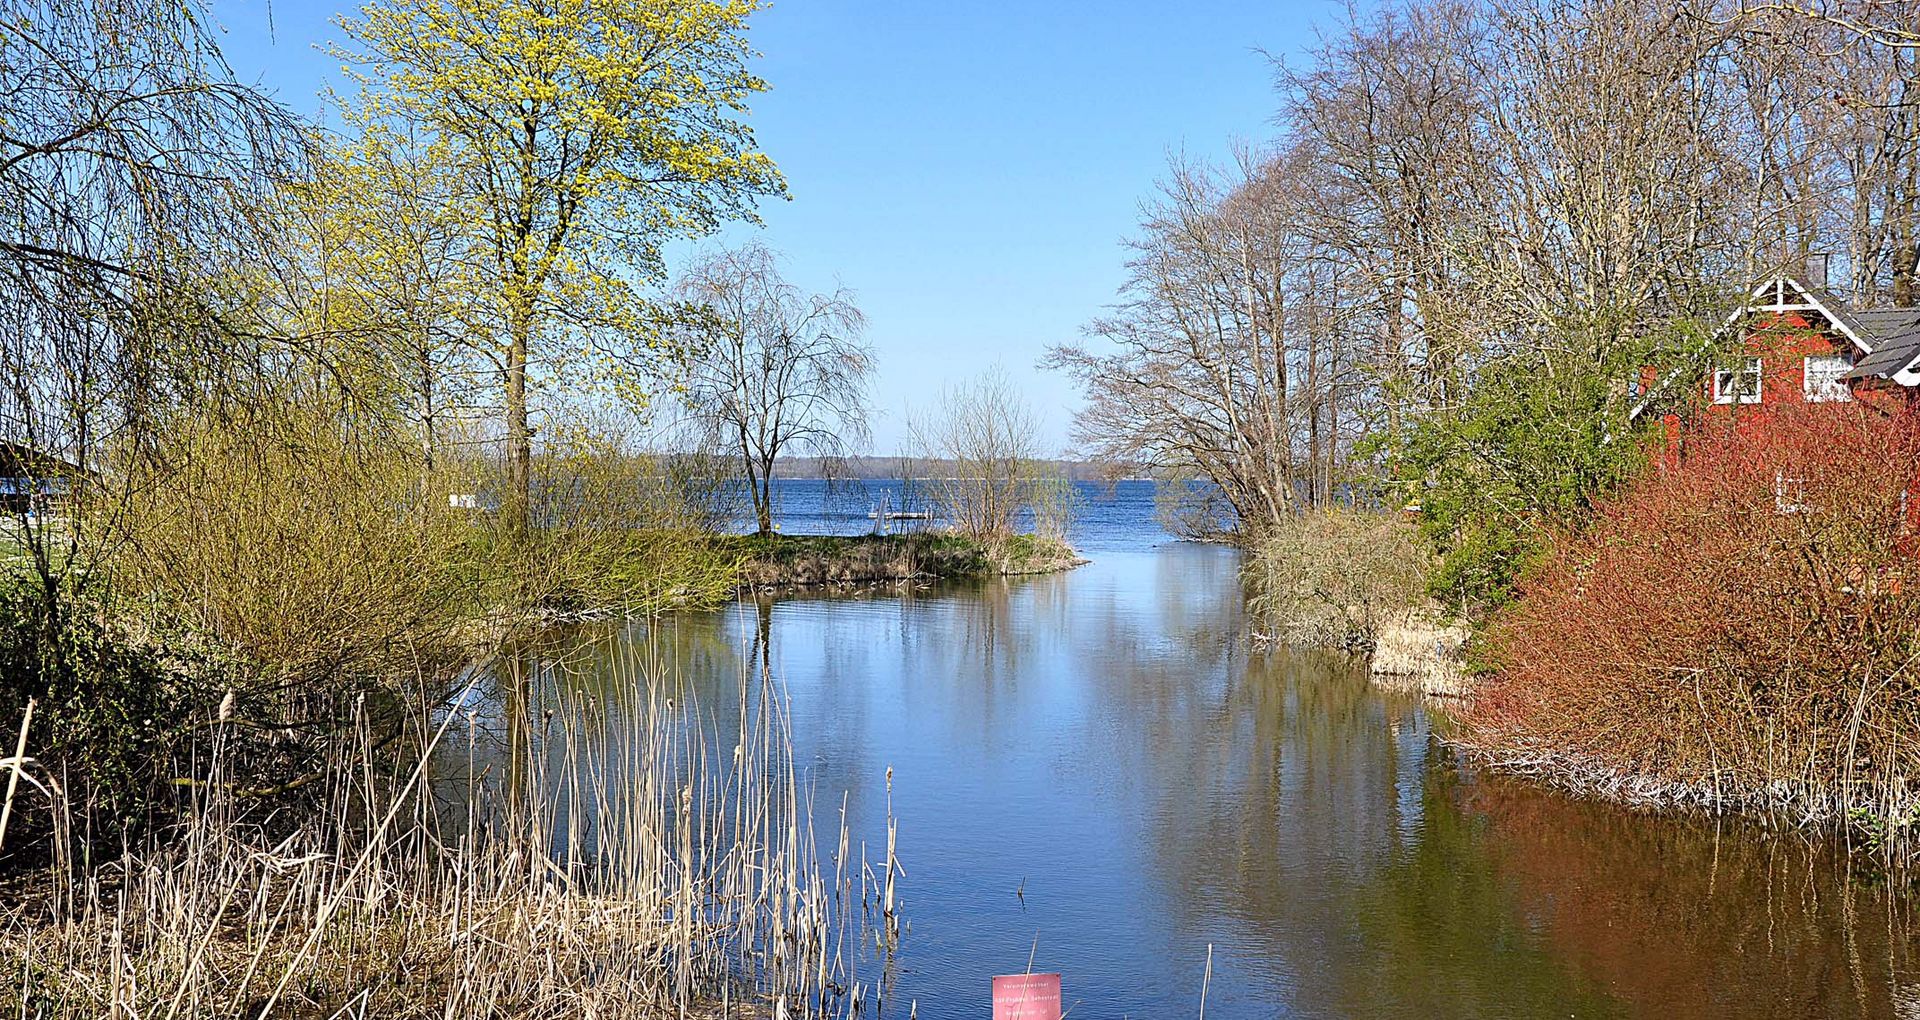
(1096, 771)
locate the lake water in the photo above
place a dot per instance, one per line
(1095, 772)
(1111, 517)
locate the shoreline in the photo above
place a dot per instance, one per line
(1777, 806)
(772, 563)
(1424, 660)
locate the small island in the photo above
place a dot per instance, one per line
(796, 561)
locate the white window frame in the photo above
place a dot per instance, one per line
(1789, 494)
(1723, 390)
(1825, 388)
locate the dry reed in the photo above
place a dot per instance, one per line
(621, 859)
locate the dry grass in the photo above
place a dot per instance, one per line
(621, 862)
(1417, 651)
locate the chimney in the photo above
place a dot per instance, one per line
(1814, 276)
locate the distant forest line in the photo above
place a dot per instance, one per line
(882, 468)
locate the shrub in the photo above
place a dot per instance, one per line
(993, 478)
(1333, 577)
(268, 570)
(618, 532)
(318, 559)
(1741, 628)
(1530, 443)
(114, 690)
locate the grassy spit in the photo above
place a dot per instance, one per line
(805, 560)
(624, 864)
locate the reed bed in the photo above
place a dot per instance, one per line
(1415, 650)
(573, 854)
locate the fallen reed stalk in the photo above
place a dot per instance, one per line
(15, 765)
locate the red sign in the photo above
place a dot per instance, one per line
(1026, 997)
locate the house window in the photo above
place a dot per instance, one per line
(1789, 494)
(1826, 378)
(1738, 383)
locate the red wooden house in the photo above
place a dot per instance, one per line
(1804, 344)
(1799, 344)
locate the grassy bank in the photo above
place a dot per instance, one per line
(773, 561)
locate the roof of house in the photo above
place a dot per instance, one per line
(18, 460)
(1895, 345)
(1849, 320)
(1889, 338)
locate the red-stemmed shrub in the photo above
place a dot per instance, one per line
(1740, 628)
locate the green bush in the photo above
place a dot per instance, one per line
(319, 559)
(616, 533)
(114, 692)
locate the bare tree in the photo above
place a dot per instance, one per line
(1222, 355)
(779, 371)
(985, 438)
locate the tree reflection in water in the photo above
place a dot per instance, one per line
(1108, 744)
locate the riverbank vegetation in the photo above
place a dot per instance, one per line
(1335, 578)
(655, 876)
(313, 422)
(1721, 634)
(1482, 231)
(780, 561)
(1359, 581)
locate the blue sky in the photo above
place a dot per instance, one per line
(968, 170)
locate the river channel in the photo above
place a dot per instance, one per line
(1096, 773)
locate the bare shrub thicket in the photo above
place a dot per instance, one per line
(985, 438)
(1336, 578)
(1740, 630)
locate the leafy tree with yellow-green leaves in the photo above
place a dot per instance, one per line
(387, 305)
(581, 136)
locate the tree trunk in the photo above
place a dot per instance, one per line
(429, 427)
(759, 484)
(519, 494)
(763, 499)
(1314, 495)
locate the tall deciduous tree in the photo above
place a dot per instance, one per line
(779, 370)
(1222, 355)
(585, 134)
(379, 285)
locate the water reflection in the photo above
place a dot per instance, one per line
(1094, 772)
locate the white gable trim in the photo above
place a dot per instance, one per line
(1806, 302)
(1772, 296)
